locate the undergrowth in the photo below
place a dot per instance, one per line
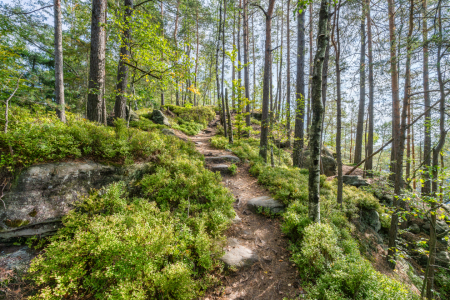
(158, 237)
(326, 254)
(191, 120)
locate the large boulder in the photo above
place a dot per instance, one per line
(159, 118)
(441, 227)
(371, 218)
(43, 194)
(329, 163)
(354, 180)
(265, 203)
(443, 259)
(238, 255)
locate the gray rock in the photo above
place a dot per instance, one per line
(372, 218)
(443, 258)
(329, 164)
(167, 131)
(266, 202)
(222, 168)
(414, 228)
(222, 159)
(237, 219)
(441, 227)
(237, 255)
(159, 118)
(42, 194)
(134, 116)
(354, 180)
(16, 261)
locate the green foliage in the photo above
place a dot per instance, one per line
(233, 169)
(197, 114)
(219, 142)
(121, 248)
(255, 121)
(188, 127)
(145, 124)
(38, 136)
(442, 280)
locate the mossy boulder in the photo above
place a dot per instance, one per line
(159, 118)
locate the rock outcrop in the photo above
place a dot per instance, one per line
(329, 163)
(43, 194)
(354, 180)
(158, 117)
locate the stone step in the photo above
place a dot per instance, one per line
(237, 255)
(222, 159)
(222, 168)
(266, 202)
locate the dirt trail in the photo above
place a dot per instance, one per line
(273, 276)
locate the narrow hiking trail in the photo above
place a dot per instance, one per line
(268, 273)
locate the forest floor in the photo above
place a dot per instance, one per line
(273, 276)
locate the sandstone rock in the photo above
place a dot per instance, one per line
(329, 164)
(16, 261)
(159, 118)
(237, 219)
(372, 218)
(443, 259)
(441, 226)
(42, 194)
(167, 131)
(222, 159)
(266, 202)
(222, 168)
(237, 255)
(414, 228)
(354, 180)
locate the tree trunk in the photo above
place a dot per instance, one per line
(317, 106)
(59, 73)
(122, 74)
(300, 93)
(175, 32)
(280, 78)
(337, 48)
(225, 130)
(266, 83)
(362, 90)
(230, 127)
(217, 62)
(288, 75)
(369, 146)
(162, 54)
(254, 64)
(426, 96)
(398, 183)
(246, 75)
(308, 122)
(239, 64)
(97, 61)
(196, 57)
(394, 85)
(436, 153)
(233, 72)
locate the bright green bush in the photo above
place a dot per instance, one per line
(188, 127)
(38, 136)
(233, 169)
(219, 142)
(198, 114)
(119, 248)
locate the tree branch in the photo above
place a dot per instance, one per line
(259, 6)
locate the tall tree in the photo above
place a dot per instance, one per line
(97, 61)
(300, 92)
(59, 75)
(398, 183)
(124, 57)
(394, 84)
(246, 71)
(426, 97)
(317, 107)
(225, 130)
(362, 89)
(369, 146)
(337, 49)
(264, 141)
(288, 75)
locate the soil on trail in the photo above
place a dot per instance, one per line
(273, 276)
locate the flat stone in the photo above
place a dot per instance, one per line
(354, 180)
(237, 219)
(266, 202)
(222, 168)
(222, 159)
(16, 261)
(237, 255)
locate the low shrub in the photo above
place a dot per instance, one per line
(233, 169)
(198, 114)
(219, 142)
(120, 248)
(188, 127)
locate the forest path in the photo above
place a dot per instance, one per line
(273, 276)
